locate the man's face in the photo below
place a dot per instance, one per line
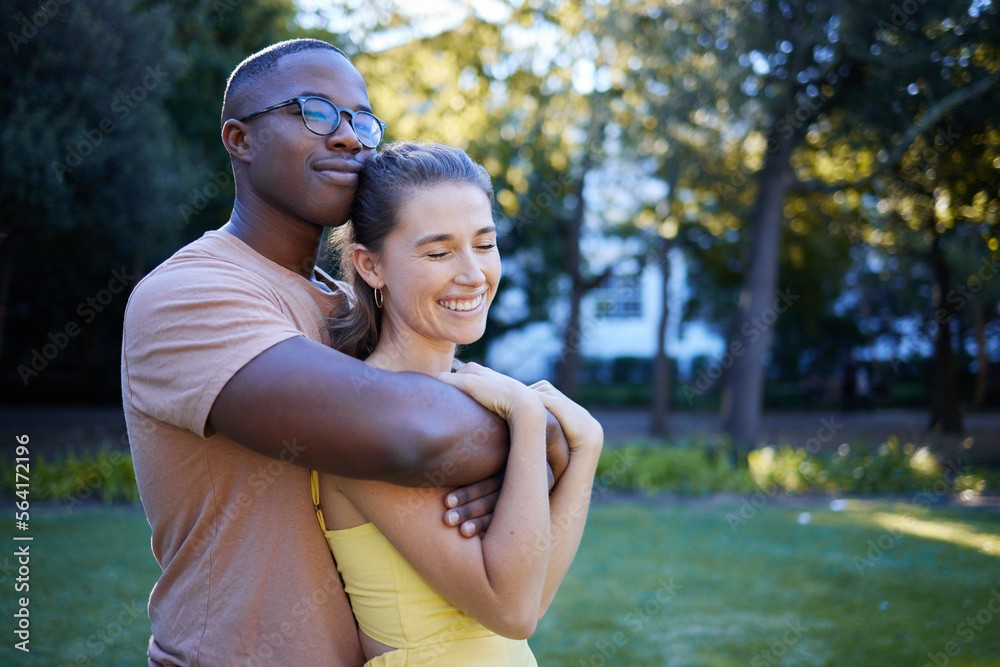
(292, 171)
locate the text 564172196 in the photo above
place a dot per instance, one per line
(22, 546)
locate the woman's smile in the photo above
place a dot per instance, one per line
(438, 273)
(462, 304)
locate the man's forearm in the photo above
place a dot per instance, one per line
(459, 441)
(336, 414)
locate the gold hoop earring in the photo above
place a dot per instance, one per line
(378, 297)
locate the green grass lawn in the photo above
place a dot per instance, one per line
(689, 583)
(658, 582)
(91, 574)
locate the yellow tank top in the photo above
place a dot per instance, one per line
(396, 606)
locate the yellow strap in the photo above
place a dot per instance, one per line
(314, 483)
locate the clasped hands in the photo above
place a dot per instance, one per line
(569, 429)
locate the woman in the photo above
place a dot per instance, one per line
(421, 250)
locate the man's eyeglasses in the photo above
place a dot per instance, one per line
(322, 117)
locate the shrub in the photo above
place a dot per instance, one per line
(690, 468)
(107, 474)
(701, 467)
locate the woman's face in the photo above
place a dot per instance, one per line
(441, 265)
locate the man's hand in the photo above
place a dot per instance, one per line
(471, 507)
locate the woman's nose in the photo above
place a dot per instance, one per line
(471, 272)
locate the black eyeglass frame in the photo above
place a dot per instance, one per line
(340, 111)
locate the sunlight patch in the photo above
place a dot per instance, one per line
(944, 531)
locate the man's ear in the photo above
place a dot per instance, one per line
(366, 263)
(236, 140)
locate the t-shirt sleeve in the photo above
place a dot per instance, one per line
(188, 329)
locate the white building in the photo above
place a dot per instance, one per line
(619, 319)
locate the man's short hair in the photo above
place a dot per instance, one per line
(249, 73)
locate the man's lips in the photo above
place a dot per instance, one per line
(338, 171)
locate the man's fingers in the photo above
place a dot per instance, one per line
(475, 527)
(472, 510)
(464, 494)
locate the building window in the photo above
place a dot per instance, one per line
(620, 297)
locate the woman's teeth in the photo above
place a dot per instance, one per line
(462, 305)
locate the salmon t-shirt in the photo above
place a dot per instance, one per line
(247, 575)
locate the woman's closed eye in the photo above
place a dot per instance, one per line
(482, 247)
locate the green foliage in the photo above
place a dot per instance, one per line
(110, 159)
(107, 474)
(853, 469)
(695, 468)
(703, 466)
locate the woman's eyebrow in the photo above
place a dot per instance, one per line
(434, 238)
(440, 238)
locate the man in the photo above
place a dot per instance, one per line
(232, 394)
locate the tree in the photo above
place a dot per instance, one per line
(82, 85)
(488, 89)
(109, 149)
(838, 70)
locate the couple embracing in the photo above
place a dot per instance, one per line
(278, 416)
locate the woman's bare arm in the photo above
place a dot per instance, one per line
(570, 500)
(497, 580)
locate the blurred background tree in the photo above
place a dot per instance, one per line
(830, 98)
(110, 160)
(842, 154)
(91, 171)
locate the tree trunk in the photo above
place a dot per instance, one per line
(946, 413)
(572, 335)
(751, 338)
(570, 367)
(982, 360)
(661, 367)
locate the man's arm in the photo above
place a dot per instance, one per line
(344, 417)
